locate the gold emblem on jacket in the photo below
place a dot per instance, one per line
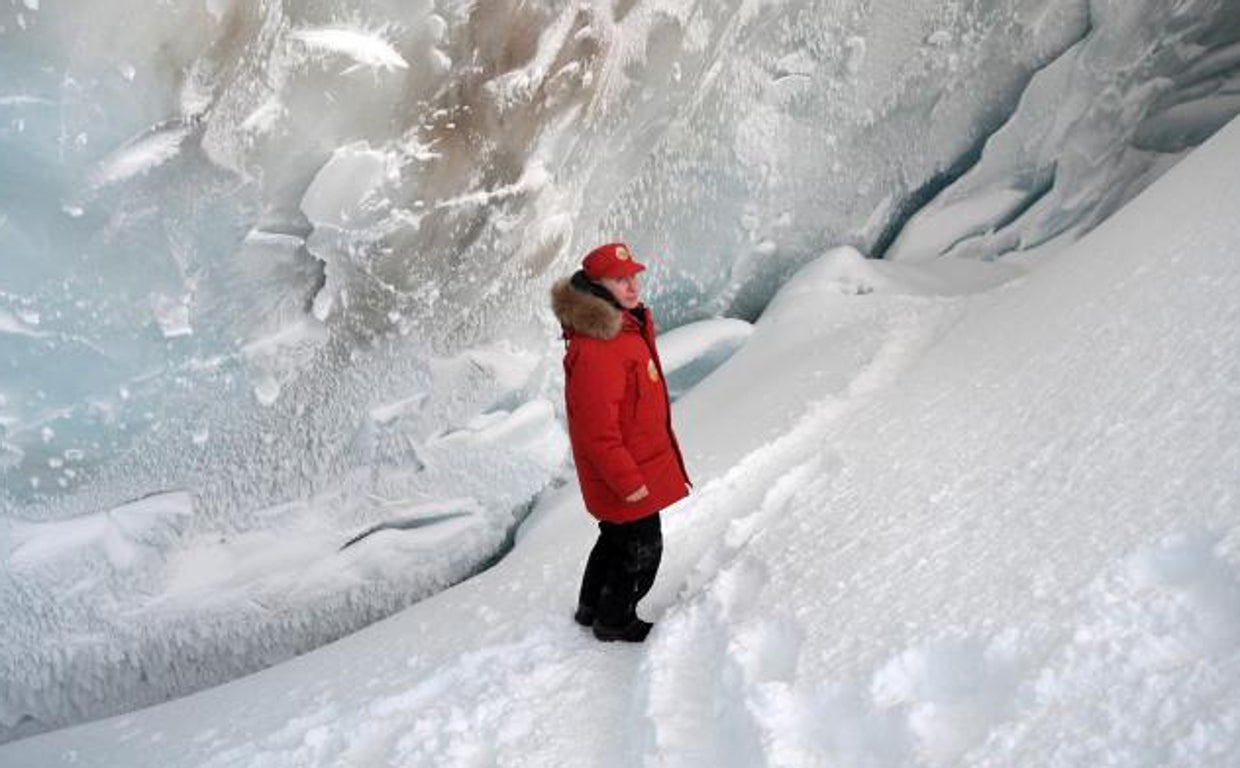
(652, 370)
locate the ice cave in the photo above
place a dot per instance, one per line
(273, 281)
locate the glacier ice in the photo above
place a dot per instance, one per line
(289, 261)
(1149, 82)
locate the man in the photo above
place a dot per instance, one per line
(620, 427)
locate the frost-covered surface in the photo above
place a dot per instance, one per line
(133, 605)
(1086, 137)
(1004, 532)
(272, 257)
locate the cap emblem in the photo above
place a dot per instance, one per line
(622, 253)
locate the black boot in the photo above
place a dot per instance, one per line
(634, 632)
(584, 615)
(620, 572)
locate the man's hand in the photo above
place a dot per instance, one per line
(637, 495)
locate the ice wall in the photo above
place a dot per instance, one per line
(290, 259)
(1092, 129)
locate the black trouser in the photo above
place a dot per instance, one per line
(621, 569)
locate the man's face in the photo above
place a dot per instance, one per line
(625, 289)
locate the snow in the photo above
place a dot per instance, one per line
(386, 412)
(343, 183)
(295, 557)
(1001, 532)
(279, 357)
(936, 231)
(689, 353)
(154, 599)
(173, 315)
(140, 156)
(13, 324)
(368, 49)
(21, 100)
(119, 535)
(1057, 166)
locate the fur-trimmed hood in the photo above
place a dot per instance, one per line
(584, 313)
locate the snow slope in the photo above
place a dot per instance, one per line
(1003, 533)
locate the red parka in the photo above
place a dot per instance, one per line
(619, 418)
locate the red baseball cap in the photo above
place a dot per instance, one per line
(611, 260)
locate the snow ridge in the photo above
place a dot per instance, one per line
(733, 663)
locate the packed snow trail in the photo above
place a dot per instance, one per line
(1006, 535)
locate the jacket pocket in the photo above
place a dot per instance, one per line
(632, 399)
